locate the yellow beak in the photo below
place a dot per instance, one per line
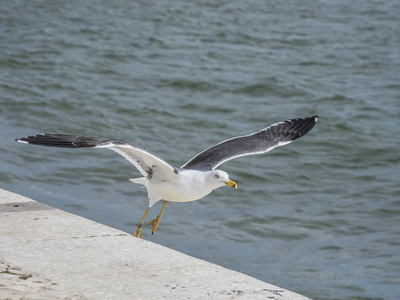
(231, 183)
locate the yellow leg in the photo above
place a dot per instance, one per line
(138, 231)
(156, 220)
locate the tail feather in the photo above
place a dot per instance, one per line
(140, 180)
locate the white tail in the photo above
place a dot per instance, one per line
(141, 180)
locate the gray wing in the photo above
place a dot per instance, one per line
(276, 135)
(148, 164)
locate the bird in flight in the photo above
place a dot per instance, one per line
(196, 178)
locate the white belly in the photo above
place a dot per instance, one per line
(187, 186)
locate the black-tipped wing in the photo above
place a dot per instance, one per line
(276, 135)
(148, 164)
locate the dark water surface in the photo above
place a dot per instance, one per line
(320, 216)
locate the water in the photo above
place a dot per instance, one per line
(320, 216)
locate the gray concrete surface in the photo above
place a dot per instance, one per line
(46, 253)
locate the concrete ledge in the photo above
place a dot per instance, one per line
(46, 253)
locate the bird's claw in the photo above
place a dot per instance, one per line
(138, 232)
(154, 224)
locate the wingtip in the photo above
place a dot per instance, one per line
(21, 140)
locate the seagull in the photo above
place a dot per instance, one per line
(196, 178)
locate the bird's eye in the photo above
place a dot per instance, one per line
(216, 176)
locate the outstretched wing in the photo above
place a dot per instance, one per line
(276, 135)
(148, 164)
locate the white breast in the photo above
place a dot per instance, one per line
(188, 185)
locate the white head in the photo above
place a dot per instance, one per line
(220, 178)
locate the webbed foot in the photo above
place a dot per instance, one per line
(138, 232)
(156, 220)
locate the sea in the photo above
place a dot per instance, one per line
(320, 216)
